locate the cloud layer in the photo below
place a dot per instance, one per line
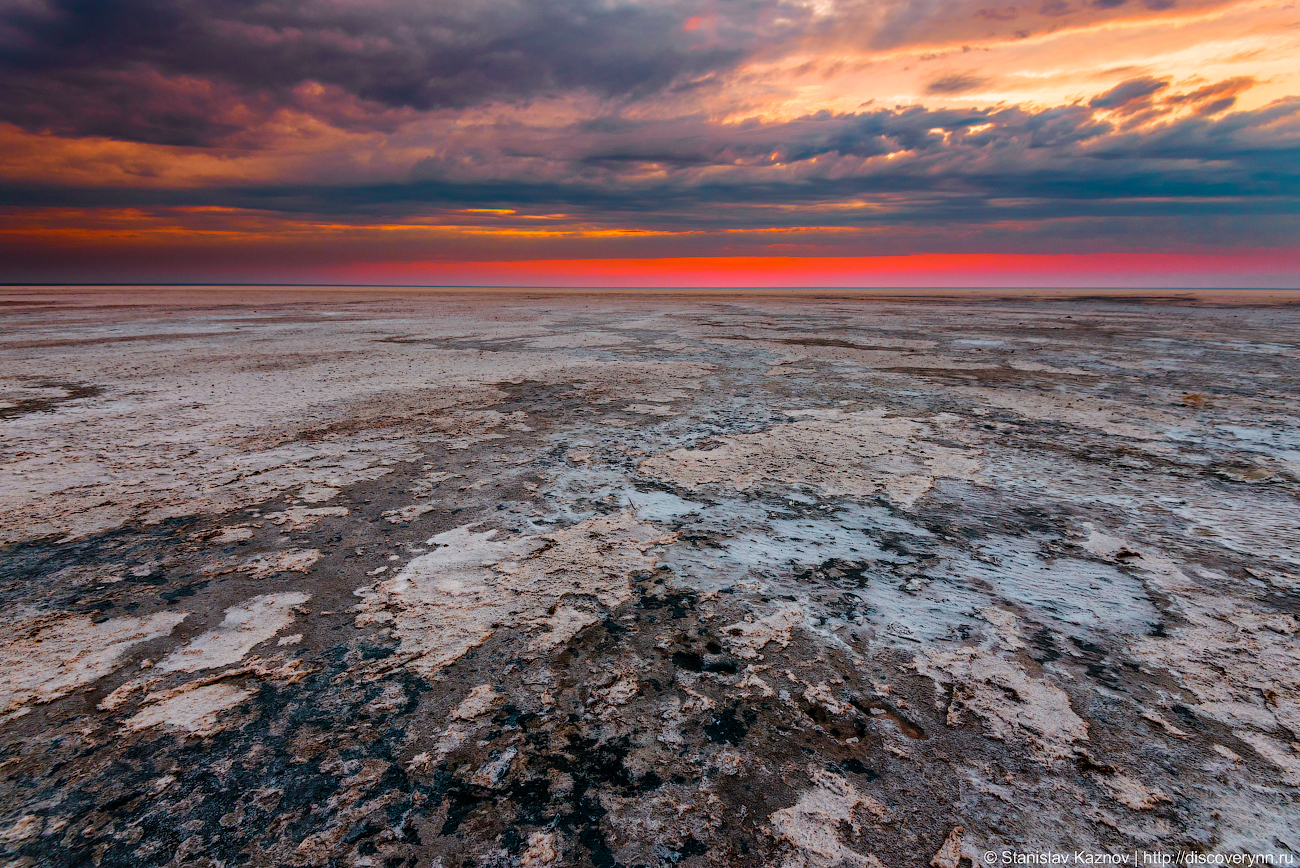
(581, 128)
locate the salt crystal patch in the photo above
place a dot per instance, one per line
(301, 517)
(982, 681)
(318, 493)
(746, 639)
(287, 561)
(196, 711)
(245, 625)
(446, 602)
(858, 454)
(949, 855)
(45, 658)
(481, 700)
(541, 851)
(812, 825)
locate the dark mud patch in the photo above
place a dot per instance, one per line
(49, 404)
(316, 766)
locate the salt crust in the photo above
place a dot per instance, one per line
(49, 656)
(301, 517)
(1111, 417)
(245, 625)
(446, 602)
(197, 712)
(812, 826)
(480, 701)
(746, 639)
(286, 561)
(1242, 665)
(950, 854)
(858, 454)
(541, 851)
(1013, 705)
(84, 495)
(203, 433)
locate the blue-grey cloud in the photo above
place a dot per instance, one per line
(955, 83)
(1237, 173)
(1128, 93)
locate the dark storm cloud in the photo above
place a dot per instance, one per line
(175, 72)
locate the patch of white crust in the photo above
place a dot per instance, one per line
(287, 561)
(452, 599)
(857, 454)
(1133, 794)
(746, 639)
(403, 514)
(301, 517)
(561, 626)
(1008, 632)
(237, 533)
(110, 483)
(490, 774)
(235, 419)
(197, 711)
(1013, 705)
(1111, 417)
(246, 625)
(318, 493)
(812, 825)
(48, 657)
(950, 854)
(27, 827)
(480, 701)
(1242, 665)
(541, 851)
(824, 695)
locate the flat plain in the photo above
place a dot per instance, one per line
(386, 578)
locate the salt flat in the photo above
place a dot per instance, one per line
(393, 578)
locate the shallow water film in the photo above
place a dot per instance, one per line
(366, 580)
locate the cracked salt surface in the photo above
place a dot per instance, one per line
(643, 581)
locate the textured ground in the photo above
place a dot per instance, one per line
(433, 581)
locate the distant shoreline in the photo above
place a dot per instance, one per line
(207, 293)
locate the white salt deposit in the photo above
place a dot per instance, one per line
(248, 624)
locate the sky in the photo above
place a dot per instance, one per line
(651, 142)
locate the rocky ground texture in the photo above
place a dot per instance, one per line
(510, 580)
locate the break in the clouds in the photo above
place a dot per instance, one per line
(434, 131)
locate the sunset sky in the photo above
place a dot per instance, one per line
(651, 142)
